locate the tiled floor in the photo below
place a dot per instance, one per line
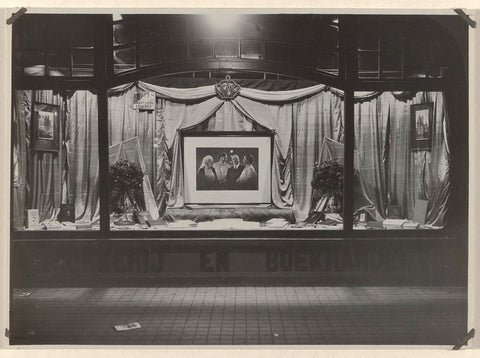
(240, 315)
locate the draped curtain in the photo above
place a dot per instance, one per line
(124, 122)
(44, 180)
(21, 110)
(302, 121)
(45, 170)
(391, 173)
(318, 119)
(81, 143)
(275, 111)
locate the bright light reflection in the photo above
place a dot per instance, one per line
(223, 22)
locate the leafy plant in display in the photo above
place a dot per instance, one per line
(126, 187)
(328, 181)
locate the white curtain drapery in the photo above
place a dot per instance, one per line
(273, 110)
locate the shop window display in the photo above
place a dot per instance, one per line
(402, 141)
(187, 149)
(400, 177)
(55, 161)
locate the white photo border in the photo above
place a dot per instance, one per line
(261, 196)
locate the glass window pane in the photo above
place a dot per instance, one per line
(226, 48)
(82, 63)
(400, 161)
(33, 63)
(251, 49)
(151, 54)
(123, 33)
(367, 65)
(201, 49)
(48, 196)
(58, 64)
(124, 59)
(327, 61)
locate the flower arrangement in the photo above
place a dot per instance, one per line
(126, 187)
(328, 181)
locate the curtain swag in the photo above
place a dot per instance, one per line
(202, 93)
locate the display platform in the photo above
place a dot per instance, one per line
(247, 213)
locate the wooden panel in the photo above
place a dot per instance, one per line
(332, 262)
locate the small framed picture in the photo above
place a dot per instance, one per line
(421, 125)
(67, 212)
(46, 127)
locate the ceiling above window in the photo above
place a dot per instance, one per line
(385, 47)
(309, 41)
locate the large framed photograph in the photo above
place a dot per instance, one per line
(227, 168)
(46, 127)
(421, 125)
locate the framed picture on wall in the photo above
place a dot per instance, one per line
(421, 125)
(46, 127)
(234, 168)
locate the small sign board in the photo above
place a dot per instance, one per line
(33, 218)
(146, 102)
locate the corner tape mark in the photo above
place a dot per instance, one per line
(464, 340)
(7, 333)
(466, 18)
(15, 16)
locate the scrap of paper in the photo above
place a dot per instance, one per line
(127, 327)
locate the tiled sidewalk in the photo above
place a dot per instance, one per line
(240, 315)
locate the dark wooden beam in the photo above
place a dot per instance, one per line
(102, 38)
(190, 237)
(414, 84)
(24, 82)
(348, 49)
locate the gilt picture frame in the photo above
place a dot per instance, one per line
(46, 127)
(421, 126)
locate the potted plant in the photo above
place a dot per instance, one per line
(327, 183)
(126, 188)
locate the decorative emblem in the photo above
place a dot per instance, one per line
(227, 89)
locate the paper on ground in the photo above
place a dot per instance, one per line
(127, 327)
